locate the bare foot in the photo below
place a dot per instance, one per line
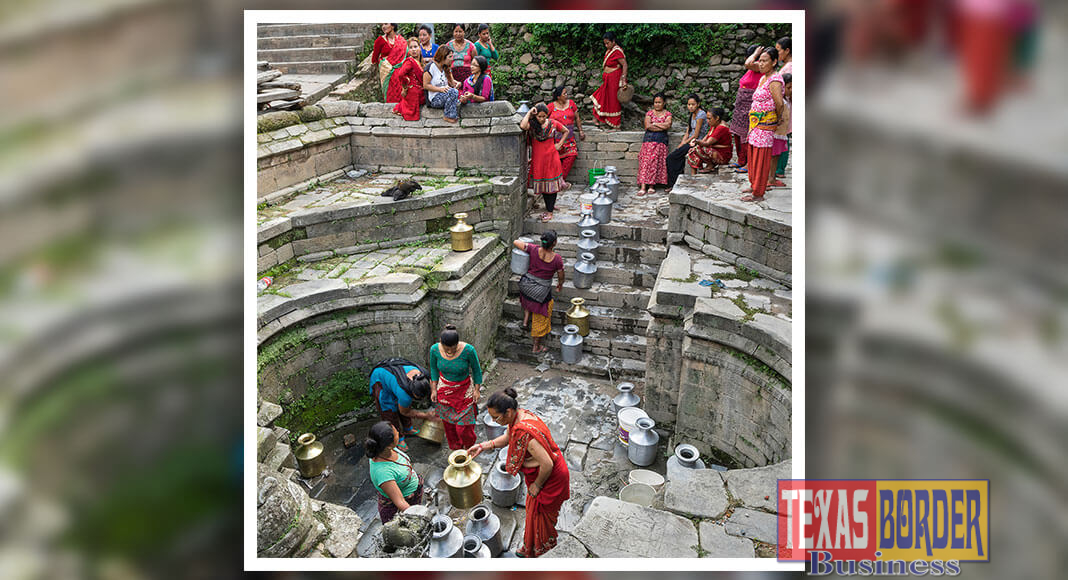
(448, 120)
(751, 198)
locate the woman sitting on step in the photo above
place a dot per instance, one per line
(535, 287)
(441, 89)
(714, 149)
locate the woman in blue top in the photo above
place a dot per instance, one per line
(426, 43)
(394, 401)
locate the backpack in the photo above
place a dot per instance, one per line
(395, 366)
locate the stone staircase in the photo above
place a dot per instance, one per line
(318, 56)
(272, 443)
(632, 248)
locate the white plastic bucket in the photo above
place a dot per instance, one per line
(647, 477)
(627, 418)
(638, 493)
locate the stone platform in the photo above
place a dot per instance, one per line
(708, 215)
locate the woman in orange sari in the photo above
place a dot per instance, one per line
(410, 78)
(531, 450)
(388, 54)
(606, 107)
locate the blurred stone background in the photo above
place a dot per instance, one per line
(936, 271)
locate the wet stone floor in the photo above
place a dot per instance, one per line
(578, 412)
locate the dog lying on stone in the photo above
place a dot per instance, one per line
(402, 189)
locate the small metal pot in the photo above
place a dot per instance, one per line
(588, 242)
(474, 548)
(447, 541)
(487, 526)
(571, 345)
(310, 458)
(641, 448)
(463, 478)
(432, 430)
(493, 428)
(588, 223)
(585, 269)
(612, 182)
(625, 398)
(461, 234)
(520, 259)
(504, 488)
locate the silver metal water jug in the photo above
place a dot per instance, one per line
(589, 223)
(585, 269)
(571, 345)
(446, 541)
(612, 182)
(474, 548)
(487, 526)
(493, 428)
(588, 242)
(602, 207)
(520, 258)
(643, 441)
(625, 398)
(504, 488)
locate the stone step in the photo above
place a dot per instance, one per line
(350, 28)
(611, 231)
(599, 294)
(600, 342)
(311, 40)
(624, 251)
(590, 364)
(624, 320)
(317, 67)
(307, 54)
(280, 457)
(266, 440)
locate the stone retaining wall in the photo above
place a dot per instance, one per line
(297, 148)
(326, 326)
(617, 148)
(347, 229)
(758, 240)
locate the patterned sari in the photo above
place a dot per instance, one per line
(389, 58)
(606, 106)
(539, 536)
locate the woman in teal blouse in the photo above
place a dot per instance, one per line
(455, 386)
(391, 471)
(484, 46)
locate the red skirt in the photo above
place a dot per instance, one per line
(546, 173)
(539, 535)
(606, 107)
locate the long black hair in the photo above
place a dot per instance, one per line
(557, 91)
(482, 65)
(450, 336)
(609, 35)
(420, 386)
(379, 438)
(785, 42)
(503, 400)
(718, 113)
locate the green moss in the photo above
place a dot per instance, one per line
(311, 113)
(273, 351)
(281, 240)
(324, 403)
(759, 366)
(692, 278)
(274, 121)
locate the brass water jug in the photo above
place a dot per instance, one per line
(461, 234)
(310, 459)
(463, 478)
(432, 430)
(579, 316)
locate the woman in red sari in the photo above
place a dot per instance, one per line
(564, 110)
(606, 107)
(531, 450)
(410, 79)
(547, 138)
(388, 54)
(708, 153)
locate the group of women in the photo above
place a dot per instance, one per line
(454, 385)
(418, 71)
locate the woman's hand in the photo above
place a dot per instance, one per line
(434, 396)
(560, 287)
(476, 449)
(559, 146)
(582, 135)
(534, 490)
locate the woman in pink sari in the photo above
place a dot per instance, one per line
(532, 451)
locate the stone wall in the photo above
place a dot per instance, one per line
(324, 327)
(616, 148)
(296, 149)
(761, 240)
(346, 229)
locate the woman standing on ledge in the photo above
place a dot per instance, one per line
(388, 54)
(531, 450)
(606, 107)
(764, 116)
(391, 472)
(455, 385)
(652, 158)
(742, 101)
(535, 287)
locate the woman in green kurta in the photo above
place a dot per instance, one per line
(455, 386)
(391, 471)
(484, 45)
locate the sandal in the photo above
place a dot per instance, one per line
(776, 183)
(541, 350)
(742, 170)
(546, 217)
(734, 166)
